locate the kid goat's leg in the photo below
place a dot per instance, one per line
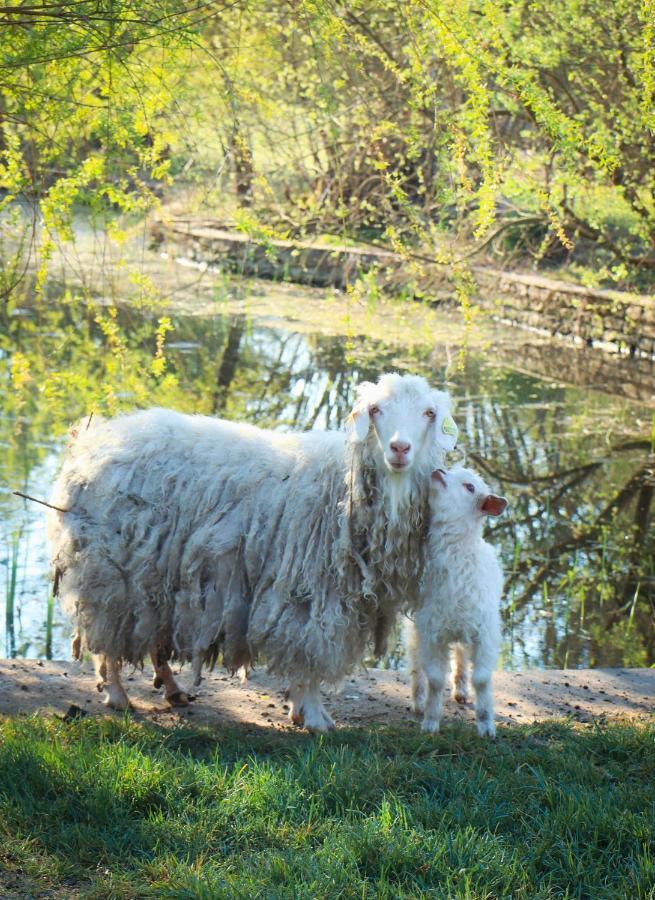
(460, 689)
(418, 679)
(435, 662)
(485, 657)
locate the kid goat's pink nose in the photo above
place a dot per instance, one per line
(400, 446)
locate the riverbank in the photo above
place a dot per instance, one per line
(602, 319)
(372, 697)
(207, 291)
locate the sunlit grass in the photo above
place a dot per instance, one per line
(116, 809)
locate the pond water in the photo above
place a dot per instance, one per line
(574, 459)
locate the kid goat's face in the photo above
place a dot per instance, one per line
(461, 493)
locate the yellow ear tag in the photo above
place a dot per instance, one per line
(448, 426)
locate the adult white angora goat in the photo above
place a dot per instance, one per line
(190, 536)
(461, 599)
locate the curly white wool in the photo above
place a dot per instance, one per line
(461, 599)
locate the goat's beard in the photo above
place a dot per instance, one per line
(384, 533)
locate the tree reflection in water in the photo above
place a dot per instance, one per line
(576, 465)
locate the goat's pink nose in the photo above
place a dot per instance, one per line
(400, 446)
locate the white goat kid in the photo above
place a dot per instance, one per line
(461, 599)
(193, 536)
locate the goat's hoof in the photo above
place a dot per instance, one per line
(320, 726)
(179, 698)
(120, 704)
(461, 696)
(157, 682)
(318, 722)
(486, 729)
(431, 726)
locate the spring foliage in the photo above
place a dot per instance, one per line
(515, 125)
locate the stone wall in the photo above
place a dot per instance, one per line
(296, 261)
(595, 318)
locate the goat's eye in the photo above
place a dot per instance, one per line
(373, 410)
(469, 487)
(430, 413)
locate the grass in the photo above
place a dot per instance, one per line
(111, 808)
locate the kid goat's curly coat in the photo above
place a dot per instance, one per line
(461, 596)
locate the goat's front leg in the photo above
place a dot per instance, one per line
(418, 679)
(164, 677)
(435, 662)
(419, 690)
(307, 707)
(108, 672)
(460, 688)
(485, 657)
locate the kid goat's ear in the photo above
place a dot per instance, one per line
(359, 417)
(493, 505)
(445, 429)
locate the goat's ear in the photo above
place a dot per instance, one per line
(445, 429)
(360, 423)
(359, 417)
(493, 505)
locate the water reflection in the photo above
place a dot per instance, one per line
(575, 464)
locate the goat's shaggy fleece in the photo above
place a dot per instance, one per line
(461, 599)
(199, 535)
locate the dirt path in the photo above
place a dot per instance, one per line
(372, 697)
